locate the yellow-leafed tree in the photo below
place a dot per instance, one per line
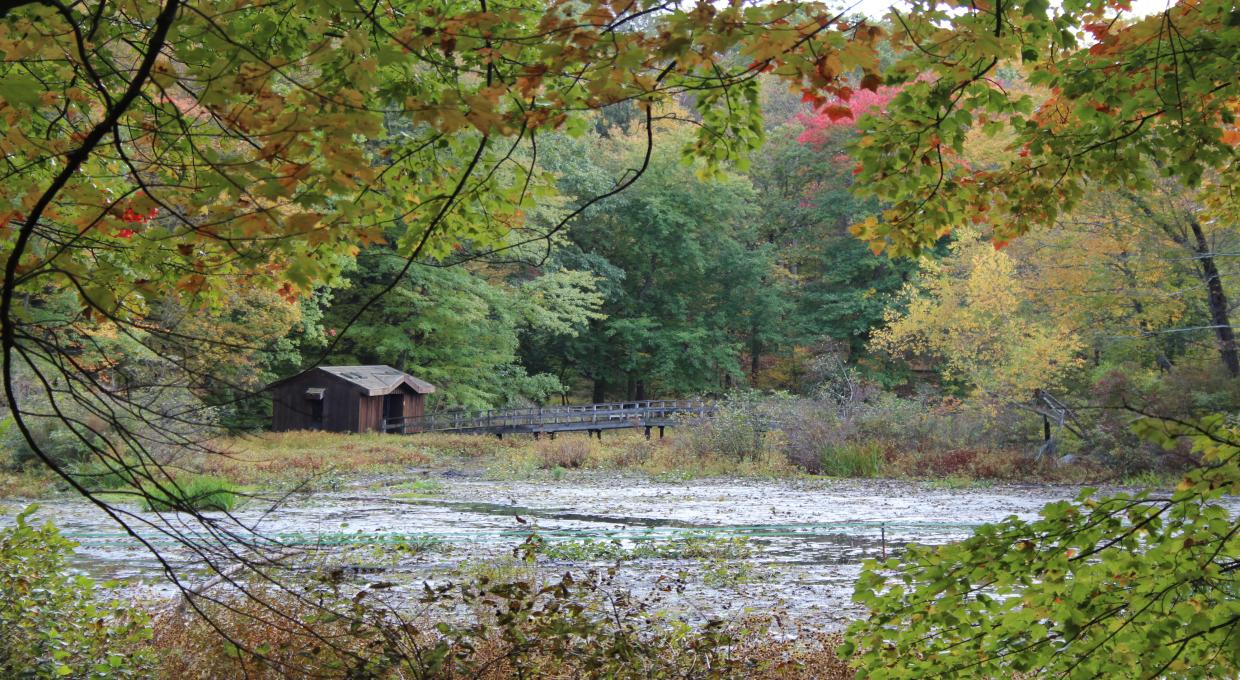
(982, 323)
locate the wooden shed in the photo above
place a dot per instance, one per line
(346, 398)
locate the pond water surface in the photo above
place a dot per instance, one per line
(807, 537)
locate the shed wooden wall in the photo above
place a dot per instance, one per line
(370, 409)
(369, 414)
(291, 410)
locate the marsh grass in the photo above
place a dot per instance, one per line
(418, 488)
(692, 546)
(954, 483)
(557, 631)
(195, 493)
(852, 459)
(1152, 479)
(99, 477)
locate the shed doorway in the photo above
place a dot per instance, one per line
(393, 407)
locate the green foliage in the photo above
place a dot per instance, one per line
(456, 327)
(53, 624)
(684, 278)
(1158, 87)
(1127, 585)
(836, 287)
(201, 493)
(419, 488)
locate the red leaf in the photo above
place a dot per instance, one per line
(838, 112)
(125, 233)
(871, 82)
(1099, 31)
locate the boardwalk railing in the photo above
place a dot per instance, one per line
(589, 417)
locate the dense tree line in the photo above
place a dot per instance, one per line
(686, 284)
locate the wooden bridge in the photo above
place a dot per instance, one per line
(590, 418)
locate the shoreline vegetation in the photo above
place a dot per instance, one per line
(879, 435)
(320, 461)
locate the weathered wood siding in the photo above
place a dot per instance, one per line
(415, 404)
(370, 414)
(292, 411)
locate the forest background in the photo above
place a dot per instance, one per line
(750, 281)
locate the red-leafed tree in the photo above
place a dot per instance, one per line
(840, 114)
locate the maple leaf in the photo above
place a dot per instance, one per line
(838, 112)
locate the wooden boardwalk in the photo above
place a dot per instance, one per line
(590, 418)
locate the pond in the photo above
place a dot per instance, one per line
(791, 547)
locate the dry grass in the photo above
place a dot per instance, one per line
(984, 464)
(322, 460)
(302, 455)
(811, 656)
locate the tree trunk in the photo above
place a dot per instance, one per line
(600, 391)
(639, 393)
(1217, 301)
(755, 355)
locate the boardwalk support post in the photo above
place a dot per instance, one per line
(660, 432)
(648, 431)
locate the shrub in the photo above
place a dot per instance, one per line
(737, 431)
(565, 452)
(52, 624)
(195, 493)
(54, 439)
(852, 459)
(484, 628)
(1124, 585)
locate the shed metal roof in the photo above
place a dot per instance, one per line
(374, 380)
(377, 380)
